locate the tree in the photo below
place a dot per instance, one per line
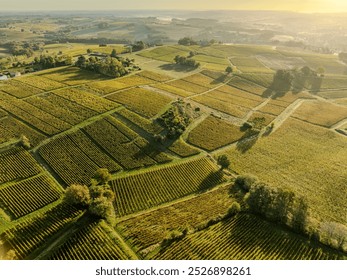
(77, 195)
(223, 161)
(246, 181)
(101, 207)
(138, 46)
(229, 69)
(89, 51)
(102, 176)
(114, 53)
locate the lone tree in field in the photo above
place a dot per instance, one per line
(229, 69)
(77, 195)
(223, 161)
(102, 176)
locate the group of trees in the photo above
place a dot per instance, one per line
(185, 61)
(50, 61)
(188, 41)
(108, 66)
(138, 46)
(288, 208)
(297, 79)
(176, 118)
(276, 204)
(98, 198)
(23, 48)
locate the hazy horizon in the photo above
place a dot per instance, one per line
(306, 6)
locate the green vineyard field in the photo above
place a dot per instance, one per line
(32, 233)
(246, 237)
(90, 243)
(17, 164)
(147, 189)
(27, 196)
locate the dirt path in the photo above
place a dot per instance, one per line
(212, 89)
(278, 121)
(281, 118)
(339, 124)
(261, 105)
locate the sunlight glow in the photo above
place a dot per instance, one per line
(68, 5)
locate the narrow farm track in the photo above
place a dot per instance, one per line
(207, 91)
(339, 124)
(281, 118)
(261, 105)
(278, 121)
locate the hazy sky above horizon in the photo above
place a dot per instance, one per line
(294, 5)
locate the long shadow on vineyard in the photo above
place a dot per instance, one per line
(213, 179)
(258, 238)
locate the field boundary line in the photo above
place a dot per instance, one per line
(77, 127)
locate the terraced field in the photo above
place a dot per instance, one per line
(12, 129)
(25, 197)
(321, 113)
(17, 164)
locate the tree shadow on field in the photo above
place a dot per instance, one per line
(248, 140)
(211, 181)
(147, 150)
(176, 67)
(267, 93)
(221, 79)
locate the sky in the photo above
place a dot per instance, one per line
(64, 5)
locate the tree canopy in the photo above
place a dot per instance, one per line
(77, 195)
(223, 161)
